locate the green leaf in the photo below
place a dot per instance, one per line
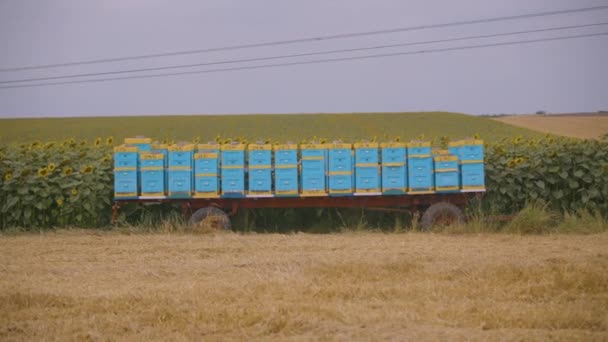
(563, 174)
(573, 184)
(578, 173)
(540, 184)
(558, 194)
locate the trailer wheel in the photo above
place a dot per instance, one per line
(441, 214)
(210, 218)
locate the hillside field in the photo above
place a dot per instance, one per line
(572, 125)
(292, 127)
(79, 285)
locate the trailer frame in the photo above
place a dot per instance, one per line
(396, 203)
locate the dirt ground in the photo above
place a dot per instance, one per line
(577, 126)
(79, 285)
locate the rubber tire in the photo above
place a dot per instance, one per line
(436, 210)
(203, 213)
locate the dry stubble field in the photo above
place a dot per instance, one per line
(75, 285)
(585, 126)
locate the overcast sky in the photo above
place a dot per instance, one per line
(559, 76)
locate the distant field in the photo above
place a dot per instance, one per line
(575, 125)
(294, 127)
(78, 285)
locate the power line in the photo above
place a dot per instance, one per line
(310, 39)
(469, 47)
(297, 55)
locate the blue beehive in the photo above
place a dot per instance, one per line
(286, 170)
(419, 149)
(420, 174)
(260, 170)
(313, 170)
(233, 170)
(467, 150)
(471, 159)
(340, 166)
(394, 171)
(447, 175)
(180, 174)
(206, 171)
(143, 144)
(472, 177)
(125, 172)
(471, 151)
(161, 148)
(367, 175)
(420, 167)
(152, 175)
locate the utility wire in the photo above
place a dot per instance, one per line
(297, 55)
(310, 39)
(469, 47)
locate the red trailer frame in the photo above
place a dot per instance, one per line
(411, 202)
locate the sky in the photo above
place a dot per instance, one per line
(557, 76)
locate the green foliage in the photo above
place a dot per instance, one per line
(568, 174)
(55, 184)
(535, 218)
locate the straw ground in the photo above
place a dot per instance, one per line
(92, 285)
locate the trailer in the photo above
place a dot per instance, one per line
(433, 209)
(216, 180)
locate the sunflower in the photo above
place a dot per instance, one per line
(86, 169)
(110, 141)
(83, 142)
(74, 192)
(8, 176)
(59, 201)
(97, 141)
(67, 171)
(106, 159)
(43, 172)
(35, 144)
(51, 167)
(50, 145)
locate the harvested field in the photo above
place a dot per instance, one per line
(575, 125)
(97, 285)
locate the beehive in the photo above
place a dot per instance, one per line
(394, 171)
(447, 175)
(180, 173)
(143, 144)
(340, 165)
(206, 172)
(259, 170)
(125, 172)
(420, 167)
(286, 169)
(367, 170)
(152, 175)
(233, 170)
(472, 177)
(419, 149)
(313, 180)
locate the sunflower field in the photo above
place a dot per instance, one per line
(568, 174)
(56, 184)
(70, 183)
